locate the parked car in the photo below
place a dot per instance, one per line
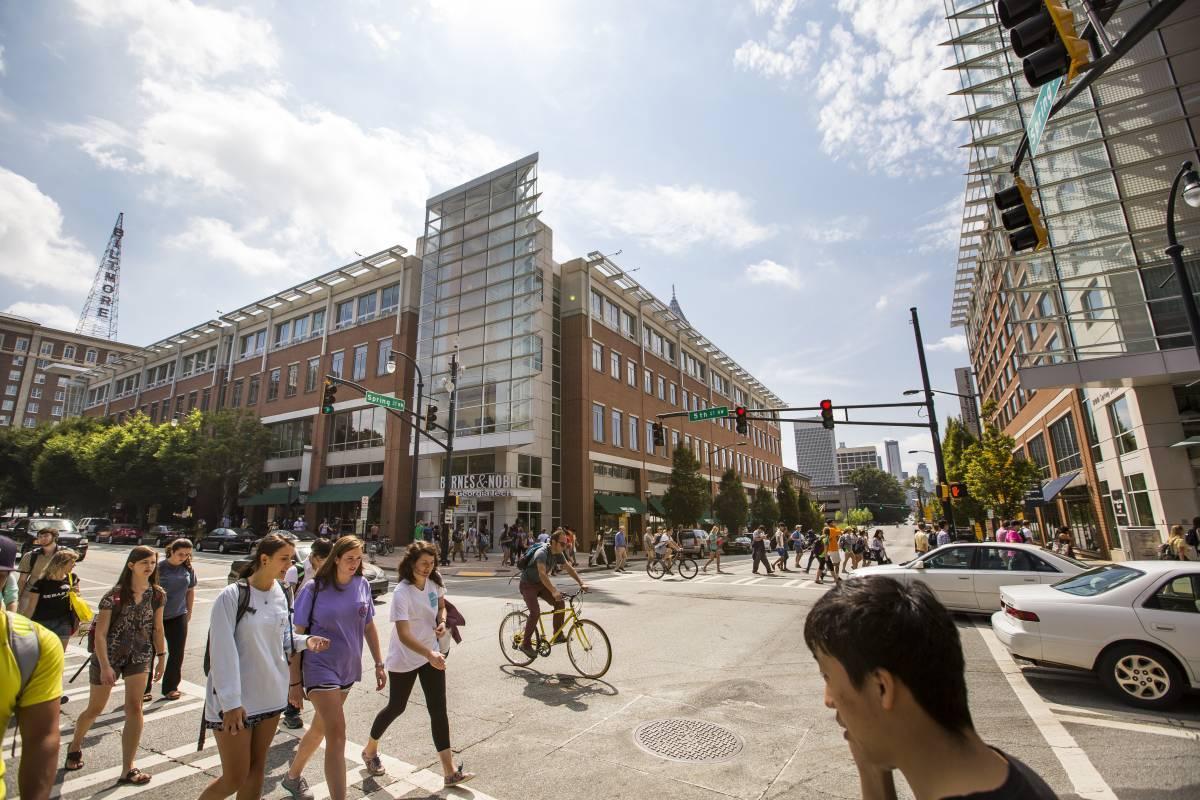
(24, 532)
(740, 544)
(693, 541)
(165, 534)
(225, 540)
(1136, 625)
(968, 576)
(90, 526)
(120, 533)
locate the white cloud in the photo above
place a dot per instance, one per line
(182, 38)
(668, 218)
(954, 343)
(3, 68)
(216, 239)
(101, 139)
(383, 35)
(882, 95)
(901, 291)
(34, 249)
(48, 314)
(941, 234)
(770, 272)
(839, 229)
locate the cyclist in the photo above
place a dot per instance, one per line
(665, 548)
(536, 583)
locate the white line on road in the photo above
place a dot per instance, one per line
(1135, 727)
(111, 774)
(1086, 779)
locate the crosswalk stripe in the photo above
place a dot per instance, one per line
(792, 583)
(110, 774)
(67, 727)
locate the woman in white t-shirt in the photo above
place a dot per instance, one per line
(419, 617)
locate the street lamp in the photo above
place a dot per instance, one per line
(416, 432)
(1191, 196)
(909, 392)
(291, 482)
(910, 452)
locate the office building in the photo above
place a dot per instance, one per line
(1083, 347)
(923, 474)
(852, 458)
(968, 408)
(891, 449)
(816, 452)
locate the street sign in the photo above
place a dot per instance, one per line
(363, 504)
(448, 517)
(1041, 113)
(1034, 496)
(709, 413)
(394, 403)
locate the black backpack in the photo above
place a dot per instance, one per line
(243, 605)
(524, 561)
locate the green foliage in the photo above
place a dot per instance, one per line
(19, 449)
(764, 510)
(994, 477)
(60, 471)
(231, 453)
(789, 503)
(880, 492)
(730, 506)
(955, 445)
(687, 496)
(859, 517)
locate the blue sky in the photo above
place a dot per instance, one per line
(790, 166)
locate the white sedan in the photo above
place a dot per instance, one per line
(1135, 624)
(967, 576)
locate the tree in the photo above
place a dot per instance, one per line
(789, 503)
(955, 444)
(61, 472)
(730, 506)
(19, 449)
(859, 517)
(232, 447)
(764, 511)
(687, 496)
(994, 476)
(138, 463)
(880, 492)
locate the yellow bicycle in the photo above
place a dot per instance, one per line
(587, 643)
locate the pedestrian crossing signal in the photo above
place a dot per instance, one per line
(958, 491)
(328, 396)
(660, 435)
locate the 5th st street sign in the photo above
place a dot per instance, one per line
(394, 403)
(709, 413)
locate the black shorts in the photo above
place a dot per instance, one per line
(326, 687)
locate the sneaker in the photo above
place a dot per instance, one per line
(293, 721)
(297, 788)
(528, 651)
(374, 764)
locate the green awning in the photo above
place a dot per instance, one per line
(277, 496)
(344, 492)
(656, 506)
(619, 504)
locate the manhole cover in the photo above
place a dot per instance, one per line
(681, 739)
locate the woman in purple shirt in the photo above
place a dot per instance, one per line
(337, 605)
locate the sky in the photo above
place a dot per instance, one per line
(791, 168)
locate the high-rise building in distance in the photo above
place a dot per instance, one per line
(816, 453)
(891, 449)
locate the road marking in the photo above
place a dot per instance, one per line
(68, 726)
(1169, 722)
(110, 774)
(1135, 727)
(792, 583)
(1085, 778)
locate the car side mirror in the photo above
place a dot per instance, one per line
(919, 565)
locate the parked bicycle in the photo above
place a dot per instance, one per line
(686, 565)
(587, 643)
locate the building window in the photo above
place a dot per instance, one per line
(32, 408)
(90, 356)
(5, 420)
(289, 438)
(345, 314)
(293, 380)
(318, 325)
(11, 390)
(300, 329)
(60, 395)
(617, 424)
(6, 405)
(685, 399)
(633, 433)
(647, 381)
(1122, 425)
(22, 345)
(671, 396)
(597, 357)
(47, 349)
(627, 325)
(614, 365)
(252, 391)
(205, 399)
(674, 441)
(30, 422)
(1065, 445)
(1139, 500)
(273, 385)
(39, 378)
(14, 374)
(529, 515)
(631, 373)
(383, 355)
(283, 333)
(193, 398)
(236, 399)
(254, 343)
(68, 352)
(662, 388)
(529, 472)
(1036, 447)
(360, 362)
(352, 430)
(366, 307)
(597, 422)
(650, 437)
(312, 370)
(336, 363)
(389, 298)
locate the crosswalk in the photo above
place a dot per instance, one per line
(785, 580)
(169, 753)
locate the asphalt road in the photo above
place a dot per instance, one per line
(726, 650)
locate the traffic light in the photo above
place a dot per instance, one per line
(743, 427)
(958, 491)
(660, 435)
(943, 492)
(430, 418)
(1021, 218)
(1043, 36)
(827, 414)
(328, 397)
(451, 500)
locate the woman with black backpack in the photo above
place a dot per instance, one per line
(252, 641)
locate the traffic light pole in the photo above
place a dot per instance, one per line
(947, 506)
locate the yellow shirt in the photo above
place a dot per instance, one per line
(44, 685)
(834, 534)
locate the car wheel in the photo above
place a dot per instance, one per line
(1142, 676)
(221, 547)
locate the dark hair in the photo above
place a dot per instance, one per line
(267, 546)
(409, 560)
(179, 544)
(878, 623)
(321, 548)
(125, 579)
(327, 574)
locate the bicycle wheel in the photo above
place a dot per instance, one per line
(654, 568)
(688, 568)
(512, 631)
(588, 648)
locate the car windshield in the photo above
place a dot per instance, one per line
(1098, 581)
(1070, 560)
(64, 525)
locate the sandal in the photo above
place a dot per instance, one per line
(147, 697)
(135, 777)
(458, 777)
(374, 765)
(175, 695)
(74, 761)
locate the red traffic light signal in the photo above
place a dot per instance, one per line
(827, 414)
(740, 414)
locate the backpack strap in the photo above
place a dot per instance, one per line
(25, 647)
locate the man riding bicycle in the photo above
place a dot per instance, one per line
(665, 548)
(536, 583)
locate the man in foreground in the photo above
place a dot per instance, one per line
(31, 664)
(894, 673)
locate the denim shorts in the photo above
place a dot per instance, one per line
(251, 720)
